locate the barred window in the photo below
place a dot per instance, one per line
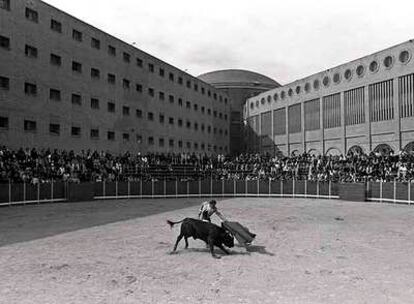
(354, 102)
(332, 111)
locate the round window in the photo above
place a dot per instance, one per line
(316, 84)
(373, 66)
(336, 78)
(282, 94)
(269, 98)
(307, 87)
(275, 97)
(252, 105)
(348, 74)
(388, 62)
(257, 103)
(360, 70)
(297, 89)
(262, 100)
(326, 81)
(405, 56)
(290, 92)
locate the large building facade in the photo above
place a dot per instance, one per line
(65, 84)
(238, 85)
(363, 105)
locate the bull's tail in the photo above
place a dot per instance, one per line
(171, 223)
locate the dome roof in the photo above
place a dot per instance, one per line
(235, 77)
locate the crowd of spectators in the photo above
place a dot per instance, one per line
(37, 166)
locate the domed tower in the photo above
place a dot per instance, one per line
(239, 85)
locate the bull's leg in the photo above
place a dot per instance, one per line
(176, 243)
(222, 248)
(211, 244)
(186, 242)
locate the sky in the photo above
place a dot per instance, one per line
(285, 40)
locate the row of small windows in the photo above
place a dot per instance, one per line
(94, 133)
(56, 95)
(388, 62)
(77, 35)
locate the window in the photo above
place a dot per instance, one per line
(151, 92)
(95, 43)
(30, 89)
(125, 83)
(180, 80)
(171, 98)
(30, 51)
(203, 91)
(195, 107)
(76, 35)
(221, 115)
(171, 76)
(161, 72)
(215, 96)
(110, 135)
(188, 105)
(151, 67)
(55, 26)
(75, 131)
(195, 87)
(209, 111)
(195, 146)
(195, 126)
(180, 102)
(203, 109)
(171, 120)
(125, 136)
(202, 127)
(32, 15)
(215, 113)
(171, 143)
(30, 125)
(188, 124)
(209, 129)
(203, 146)
(5, 42)
(126, 57)
(151, 140)
(76, 67)
(139, 138)
(4, 83)
(161, 95)
(54, 129)
(111, 78)
(54, 95)
(161, 142)
(95, 73)
(209, 93)
(138, 113)
(111, 50)
(4, 122)
(161, 118)
(180, 122)
(5, 4)
(139, 62)
(94, 133)
(138, 87)
(180, 143)
(76, 99)
(150, 116)
(111, 107)
(55, 60)
(95, 103)
(125, 111)
(188, 145)
(188, 84)
(214, 130)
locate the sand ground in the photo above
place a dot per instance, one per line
(306, 251)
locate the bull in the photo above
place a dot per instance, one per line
(211, 234)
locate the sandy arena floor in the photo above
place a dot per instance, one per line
(306, 251)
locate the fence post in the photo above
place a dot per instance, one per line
(38, 192)
(395, 192)
(165, 188)
(329, 189)
(140, 182)
(317, 188)
(176, 187)
(10, 195)
(234, 187)
(258, 186)
(381, 191)
(51, 190)
(188, 189)
(104, 189)
(116, 188)
(281, 188)
(269, 187)
(294, 186)
(245, 186)
(152, 188)
(24, 192)
(409, 193)
(306, 188)
(129, 188)
(199, 187)
(211, 186)
(222, 188)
